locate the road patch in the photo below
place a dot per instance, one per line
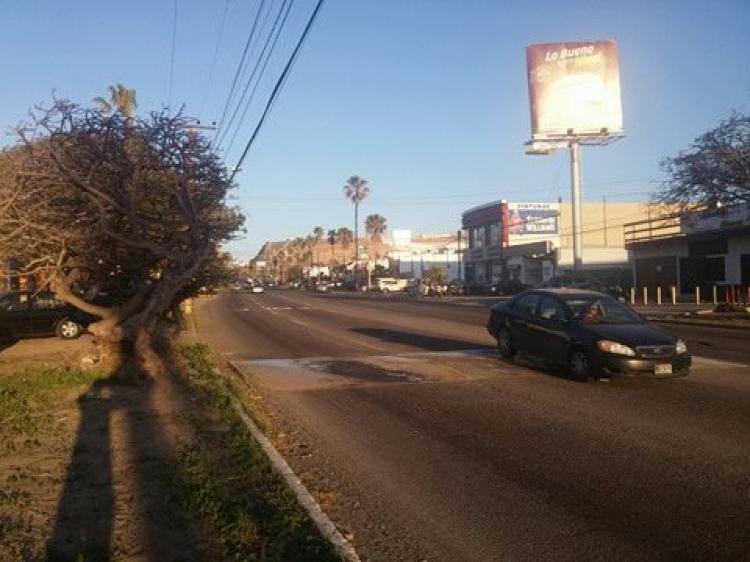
(405, 368)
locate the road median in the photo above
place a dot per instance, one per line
(99, 465)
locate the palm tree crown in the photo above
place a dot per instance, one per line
(375, 226)
(356, 189)
(121, 99)
(345, 236)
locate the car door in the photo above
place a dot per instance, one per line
(45, 312)
(14, 314)
(550, 339)
(521, 320)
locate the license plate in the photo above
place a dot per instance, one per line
(663, 369)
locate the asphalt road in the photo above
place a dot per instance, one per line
(423, 445)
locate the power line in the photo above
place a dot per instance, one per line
(277, 88)
(212, 66)
(171, 57)
(272, 38)
(426, 199)
(257, 81)
(240, 66)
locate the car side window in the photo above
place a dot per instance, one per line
(14, 302)
(551, 309)
(45, 302)
(526, 305)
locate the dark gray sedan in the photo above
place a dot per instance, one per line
(24, 314)
(590, 333)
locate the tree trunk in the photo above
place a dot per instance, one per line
(127, 332)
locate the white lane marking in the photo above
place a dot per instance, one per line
(718, 363)
(300, 322)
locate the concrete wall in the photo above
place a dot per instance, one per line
(416, 265)
(737, 246)
(595, 216)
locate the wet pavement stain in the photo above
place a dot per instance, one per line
(367, 372)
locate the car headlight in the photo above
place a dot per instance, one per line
(680, 347)
(608, 346)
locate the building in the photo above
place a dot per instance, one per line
(537, 242)
(415, 254)
(693, 252)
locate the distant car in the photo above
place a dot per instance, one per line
(391, 284)
(257, 289)
(589, 332)
(323, 287)
(24, 314)
(456, 287)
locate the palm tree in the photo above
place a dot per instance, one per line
(356, 190)
(332, 239)
(121, 99)
(317, 235)
(375, 226)
(345, 237)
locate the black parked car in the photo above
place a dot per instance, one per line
(24, 314)
(590, 333)
(456, 287)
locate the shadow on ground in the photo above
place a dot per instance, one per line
(429, 343)
(87, 508)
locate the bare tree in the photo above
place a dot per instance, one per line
(93, 201)
(714, 170)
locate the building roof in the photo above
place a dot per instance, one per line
(483, 206)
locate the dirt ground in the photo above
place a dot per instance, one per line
(84, 461)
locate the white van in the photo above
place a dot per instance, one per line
(388, 284)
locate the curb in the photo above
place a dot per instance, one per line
(324, 524)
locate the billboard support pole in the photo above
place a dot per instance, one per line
(575, 197)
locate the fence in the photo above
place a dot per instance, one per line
(714, 294)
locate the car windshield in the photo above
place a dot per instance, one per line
(602, 310)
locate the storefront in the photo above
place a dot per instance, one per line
(693, 253)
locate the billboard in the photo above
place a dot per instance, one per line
(533, 218)
(574, 85)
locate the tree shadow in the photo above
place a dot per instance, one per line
(86, 509)
(430, 343)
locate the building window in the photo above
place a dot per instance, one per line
(494, 234)
(479, 237)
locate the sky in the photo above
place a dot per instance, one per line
(426, 99)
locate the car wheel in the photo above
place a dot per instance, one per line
(579, 365)
(68, 330)
(505, 344)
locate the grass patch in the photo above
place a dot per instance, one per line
(28, 398)
(35, 395)
(225, 477)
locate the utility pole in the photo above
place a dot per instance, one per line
(575, 197)
(458, 254)
(604, 213)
